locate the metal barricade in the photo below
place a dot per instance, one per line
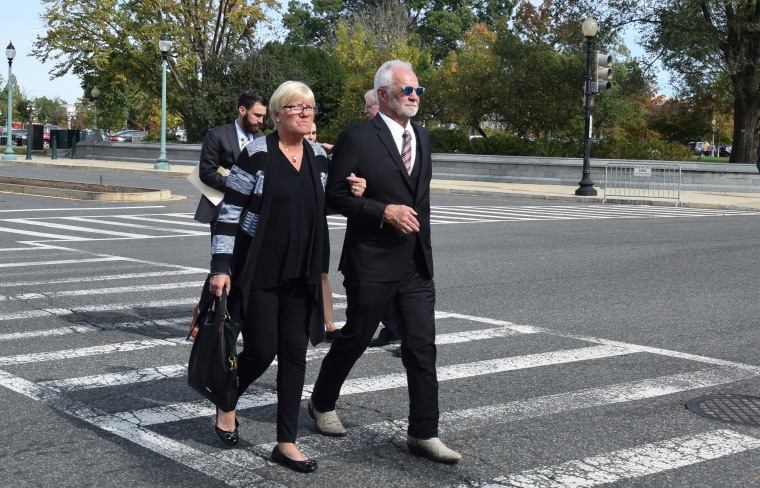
(651, 180)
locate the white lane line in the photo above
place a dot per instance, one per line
(474, 418)
(187, 410)
(210, 464)
(175, 370)
(126, 276)
(163, 221)
(61, 261)
(45, 312)
(116, 379)
(76, 228)
(593, 397)
(30, 233)
(84, 329)
(94, 220)
(634, 462)
(39, 357)
(73, 209)
(105, 291)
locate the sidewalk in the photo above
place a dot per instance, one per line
(559, 193)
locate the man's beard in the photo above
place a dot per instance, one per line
(248, 127)
(404, 110)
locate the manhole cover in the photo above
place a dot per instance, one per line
(744, 410)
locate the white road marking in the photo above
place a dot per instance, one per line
(105, 291)
(126, 276)
(99, 308)
(233, 474)
(634, 462)
(61, 261)
(76, 228)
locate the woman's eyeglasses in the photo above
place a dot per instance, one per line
(299, 109)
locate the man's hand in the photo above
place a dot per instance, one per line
(217, 283)
(403, 218)
(357, 185)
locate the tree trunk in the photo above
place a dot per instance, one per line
(745, 140)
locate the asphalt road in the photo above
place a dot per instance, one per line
(570, 340)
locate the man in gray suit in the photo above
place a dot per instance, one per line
(222, 146)
(387, 256)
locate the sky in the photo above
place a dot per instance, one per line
(33, 76)
(21, 27)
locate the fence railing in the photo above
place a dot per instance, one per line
(656, 180)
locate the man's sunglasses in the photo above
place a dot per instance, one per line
(407, 90)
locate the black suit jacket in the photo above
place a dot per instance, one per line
(220, 148)
(373, 251)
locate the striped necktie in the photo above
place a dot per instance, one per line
(406, 152)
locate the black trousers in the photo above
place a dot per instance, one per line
(276, 324)
(367, 304)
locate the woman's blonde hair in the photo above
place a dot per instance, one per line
(286, 93)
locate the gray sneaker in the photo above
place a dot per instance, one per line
(327, 423)
(433, 449)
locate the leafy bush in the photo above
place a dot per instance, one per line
(456, 141)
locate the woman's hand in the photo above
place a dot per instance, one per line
(357, 185)
(219, 282)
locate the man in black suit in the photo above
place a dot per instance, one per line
(220, 149)
(387, 256)
(222, 146)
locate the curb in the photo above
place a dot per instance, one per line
(147, 196)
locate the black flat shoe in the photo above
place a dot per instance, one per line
(308, 466)
(229, 437)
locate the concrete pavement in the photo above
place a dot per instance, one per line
(559, 193)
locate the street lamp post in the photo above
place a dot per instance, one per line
(713, 138)
(586, 186)
(95, 93)
(30, 111)
(165, 45)
(10, 53)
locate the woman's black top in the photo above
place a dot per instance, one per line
(285, 252)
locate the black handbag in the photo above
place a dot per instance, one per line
(212, 368)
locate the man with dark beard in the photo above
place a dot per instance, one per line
(220, 149)
(222, 146)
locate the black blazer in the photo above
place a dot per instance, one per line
(373, 251)
(220, 148)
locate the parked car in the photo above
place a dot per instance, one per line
(701, 148)
(128, 136)
(19, 136)
(724, 150)
(14, 134)
(181, 135)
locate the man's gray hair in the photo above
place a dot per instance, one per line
(384, 75)
(371, 97)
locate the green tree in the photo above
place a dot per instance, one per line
(117, 46)
(700, 42)
(467, 85)
(439, 24)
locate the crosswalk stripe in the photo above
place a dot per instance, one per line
(172, 223)
(126, 276)
(76, 228)
(104, 291)
(233, 474)
(635, 462)
(45, 312)
(175, 370)
(61, 261)
(88, 351)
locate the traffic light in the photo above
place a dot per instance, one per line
(603, 72)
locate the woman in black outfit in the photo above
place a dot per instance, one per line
(267, 252)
